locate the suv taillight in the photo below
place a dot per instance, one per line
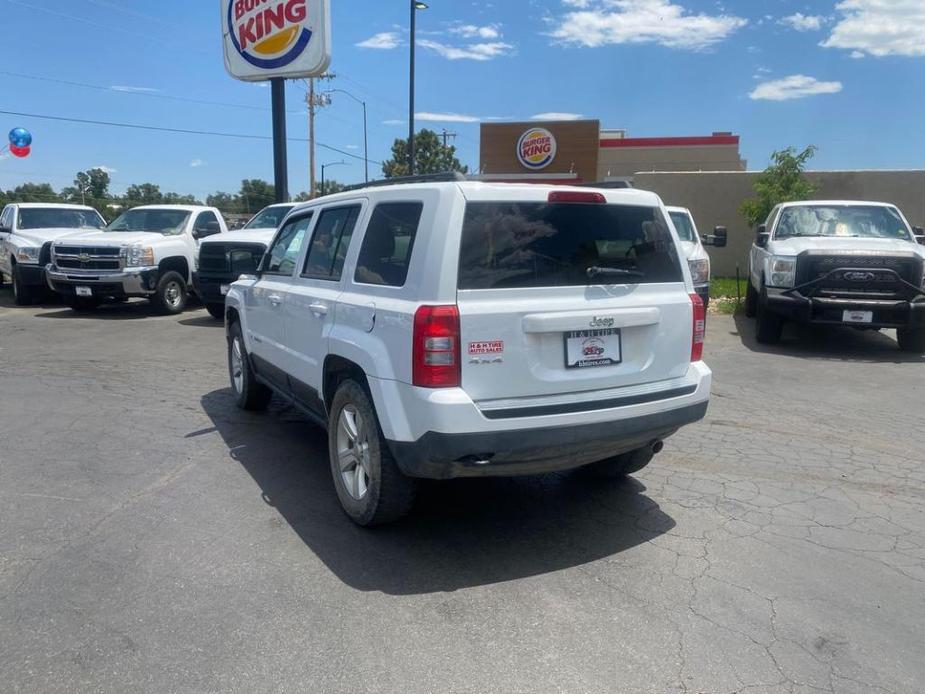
(435, 351)
(700, 328)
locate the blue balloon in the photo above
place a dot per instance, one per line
(20, 137)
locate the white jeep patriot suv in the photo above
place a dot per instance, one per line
(148, 251)
(442, 328)
(850, 263)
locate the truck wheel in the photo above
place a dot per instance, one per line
(371, 488)
(911, 340)
(23, 294)
(769, 325)
(248, 393)
(217, 311)
(751, 301)
(171, 294)
(625, 464)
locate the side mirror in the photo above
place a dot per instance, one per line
(206, 230)
(5, 230)
(919, 233)
(763, 236)
(717, 239)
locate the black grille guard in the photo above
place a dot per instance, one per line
(812, 285)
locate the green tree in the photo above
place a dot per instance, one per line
(179, 199)
(255, 195)
(227, 203)
(31, 192)
(430, 156)
(91, 188)
(143, 194)
(782, 181)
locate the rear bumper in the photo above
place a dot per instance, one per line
(510, 453)
(823, 311)
(139, 282)
(442, 433)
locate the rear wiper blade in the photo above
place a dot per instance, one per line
(595, 271)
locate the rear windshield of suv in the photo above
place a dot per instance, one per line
(525, 245)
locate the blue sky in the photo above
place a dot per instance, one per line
(847, 76)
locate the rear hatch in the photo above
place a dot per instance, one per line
(561, 296)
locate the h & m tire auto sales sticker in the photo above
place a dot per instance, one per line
(487, 347)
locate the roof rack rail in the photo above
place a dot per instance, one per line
(446, 177)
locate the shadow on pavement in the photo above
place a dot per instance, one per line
(828, 342)
(202, 321)
(462, 533)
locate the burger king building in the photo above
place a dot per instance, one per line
(581, 152)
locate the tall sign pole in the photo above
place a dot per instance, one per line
(280, 155)
(273, 41)
(414, 16)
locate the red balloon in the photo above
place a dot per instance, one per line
(21, 152)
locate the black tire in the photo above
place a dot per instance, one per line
(249, 394)
(751, 301)
(171, 294)
(217, 311)
(911, 340)
(768, 325)
(388, 494)
(23, 294)
(82, 305)
(622, 465)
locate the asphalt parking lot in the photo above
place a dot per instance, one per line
(155, 539)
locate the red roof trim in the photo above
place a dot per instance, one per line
(672, 141)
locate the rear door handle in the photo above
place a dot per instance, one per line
(318, 309)
(275, 299)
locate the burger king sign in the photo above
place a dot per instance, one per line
(536, 148)
(276, 38)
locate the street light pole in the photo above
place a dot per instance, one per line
(325, 166)
(365, 130)
(415, 6)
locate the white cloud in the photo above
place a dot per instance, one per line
(793, 87)
(556, 115)
(880, 27)
(594, 23)
(196, 163)
(107, 169)
(395, 121)
(143, 90)
(446, 117)
(471, 31)
(471, 51)
(803, 22)
(351, 147)
(384, 41)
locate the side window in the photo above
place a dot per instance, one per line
(6, 219)
(387, 247)
(769, 222)
(286, 248)
(330, 243)
(206, 224)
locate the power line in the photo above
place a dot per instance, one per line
(180, 131)
(116, 90)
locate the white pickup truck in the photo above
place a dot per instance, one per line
(692, 245)
(147, 252)
(27, 231)
(838, 263)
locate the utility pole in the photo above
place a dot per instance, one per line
(315, 101)
(446, 135)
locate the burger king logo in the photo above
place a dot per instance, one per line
(536, 148)
(269, 34)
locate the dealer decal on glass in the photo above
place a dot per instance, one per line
(589, 348)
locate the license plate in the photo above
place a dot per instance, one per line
(590, 348)
(858, 317)
(83, 291)
(225, 288)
